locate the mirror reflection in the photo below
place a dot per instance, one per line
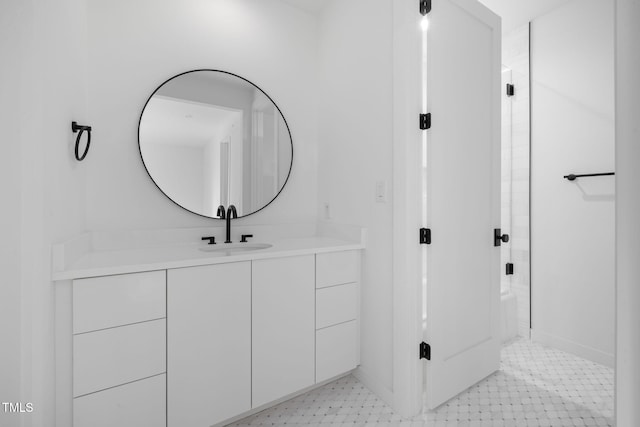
(209, 138)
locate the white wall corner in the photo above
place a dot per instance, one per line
(348, 232)
(65, 253)
(375, 386)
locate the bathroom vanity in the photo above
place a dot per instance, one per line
(180, 336)
(160, 329)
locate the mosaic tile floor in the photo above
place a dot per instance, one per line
(536, 386)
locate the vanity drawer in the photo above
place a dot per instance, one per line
(337, 268)
(336, 350)
(105, 302)
(115, 356)
(137, 404)
(336, 304)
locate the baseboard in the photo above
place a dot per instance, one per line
(375, 386)
(579, 350)
(523, 329)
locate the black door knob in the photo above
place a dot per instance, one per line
(499, 238)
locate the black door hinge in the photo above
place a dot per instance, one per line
(511, 90)
(425, 121)
(509, 269)
(425, 236)
(499, 238)
(425, 351)
(425, 7)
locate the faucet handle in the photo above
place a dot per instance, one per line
(212, 240)
(245, 237)
(220, 213)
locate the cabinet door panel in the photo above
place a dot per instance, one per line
(209, 344)
(137, 404)
(283, 322)
(336, 352)
(109, 301)
(337, 268)
(115, 356)
(336, 304)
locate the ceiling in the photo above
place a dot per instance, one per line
(311, 6)
(515, 13)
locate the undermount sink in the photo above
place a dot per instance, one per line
(231, 248)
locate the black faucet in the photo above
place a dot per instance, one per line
(231, 214)
(220, 213)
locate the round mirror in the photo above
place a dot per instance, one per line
(209, 138)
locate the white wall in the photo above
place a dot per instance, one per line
(135, 46)
(53, 181)
(517, 13)
(628, 212)
(572, 224)
(355, 151)
(13, 39)
(46, 90)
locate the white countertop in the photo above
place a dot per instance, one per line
(122, 261)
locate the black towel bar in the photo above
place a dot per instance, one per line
(573, 177)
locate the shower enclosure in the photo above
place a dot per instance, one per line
(515, 188)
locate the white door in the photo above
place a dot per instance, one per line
(208, 344)
(463, 197)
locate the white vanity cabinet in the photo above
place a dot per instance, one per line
(337, 313)
(283, 325)
(209, 344)
(119, 351)
(200, 345)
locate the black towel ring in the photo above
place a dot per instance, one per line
(75, 127)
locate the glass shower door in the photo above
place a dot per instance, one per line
(506, 179)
